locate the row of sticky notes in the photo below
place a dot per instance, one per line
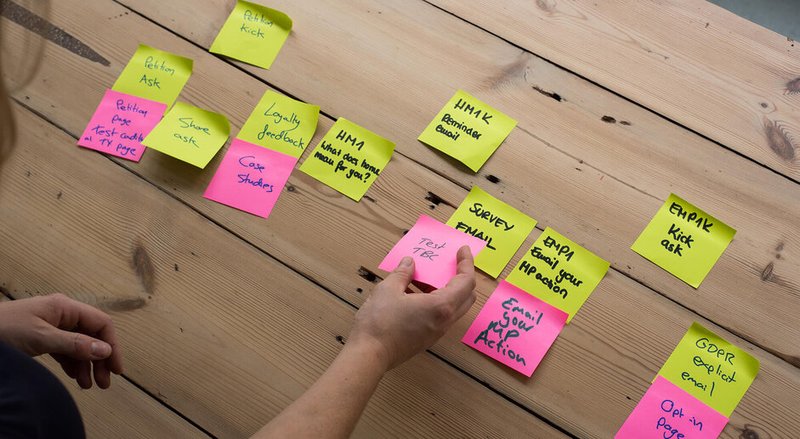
(696, 390)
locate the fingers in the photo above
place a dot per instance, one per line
(399, 279)
(84, 377)
(461, 287)
(102, 376)
(76, 345)
(69, 365)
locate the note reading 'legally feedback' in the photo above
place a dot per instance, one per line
(281, 123)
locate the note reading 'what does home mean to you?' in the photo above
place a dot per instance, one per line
(281, 123)
(253, 34)
(120, 124)
(433, 246)
(711, 369)
(684, 240)
(559, 271)
(250, 178)
(502, 227)
(666, 411)
(515, 328)
(349, 158)
(468, 130)
(154, 74)
(190, 134)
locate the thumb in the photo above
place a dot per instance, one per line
(401, 276)
(78, 346)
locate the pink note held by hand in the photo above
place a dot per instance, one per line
(250, 178)
(433, 245)
(120, 123)
(667, 411)
(515, 328)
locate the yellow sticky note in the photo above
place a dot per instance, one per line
(468, 130)
(502, 227)
(253, 34)
(190, 134)
(684, 240)
(349, 158)
(154, 74)
(711, 369)
(559, 271)
(281, 123)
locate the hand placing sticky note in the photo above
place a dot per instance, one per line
(349, 158)
(154, 74)
(666, 411)
(190, 134)
(502, 227)
(559, 271)
(120, 124)
(711, 369)
(515, 328)
(684, 240)
(468, 130)
(250, 178)
(281, 123)
(433, 246)
(253, 34)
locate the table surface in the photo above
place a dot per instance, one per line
(226, 318)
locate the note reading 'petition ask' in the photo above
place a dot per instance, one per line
(433, 246)
(349, 158)
(515, 328)
(468, 130)
(684, 240)
(281, 123)
(502, 227)
(666, 411)
(154, 74)
(120, 124)
(711, 369)
(559, 271)
(190, 134)
(253, 34)
(250, 178)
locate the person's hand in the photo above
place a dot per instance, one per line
(78, 336)
(399, 323)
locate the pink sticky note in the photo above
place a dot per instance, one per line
(667, 411)
(250, 178)
(433, 246)
(120, 123)
(515, 328)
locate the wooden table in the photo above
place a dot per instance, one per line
(226, 317)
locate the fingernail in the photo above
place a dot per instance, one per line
(100, 350)
(405, 262)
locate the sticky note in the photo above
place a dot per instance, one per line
(120, 124)
(515, 328)
(468, 130)
(349, 158)
(559, 271)
(154, 74)
(711, 369)
(433, 246)
(253, 34)
(281, 123)
(666, 411)
(684, 240)
(502, 227)
(250, 178)
(190, 134)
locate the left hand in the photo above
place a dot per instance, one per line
(80, 337)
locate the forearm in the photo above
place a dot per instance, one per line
(332, 406)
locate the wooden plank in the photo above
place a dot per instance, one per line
(209, 324)
(692, 61)
(601, 183)
(338, 236)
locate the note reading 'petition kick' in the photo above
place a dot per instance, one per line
(190, 134)
(684, 240)
(502, 227)
(154, 74)
(468, 130)
(253, 34)
(281, 123)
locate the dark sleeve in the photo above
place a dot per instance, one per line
(33, 402)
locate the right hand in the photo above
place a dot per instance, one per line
(398, 324)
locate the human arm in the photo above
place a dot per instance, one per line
(392, 326)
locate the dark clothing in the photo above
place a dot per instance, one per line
(33, 403)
